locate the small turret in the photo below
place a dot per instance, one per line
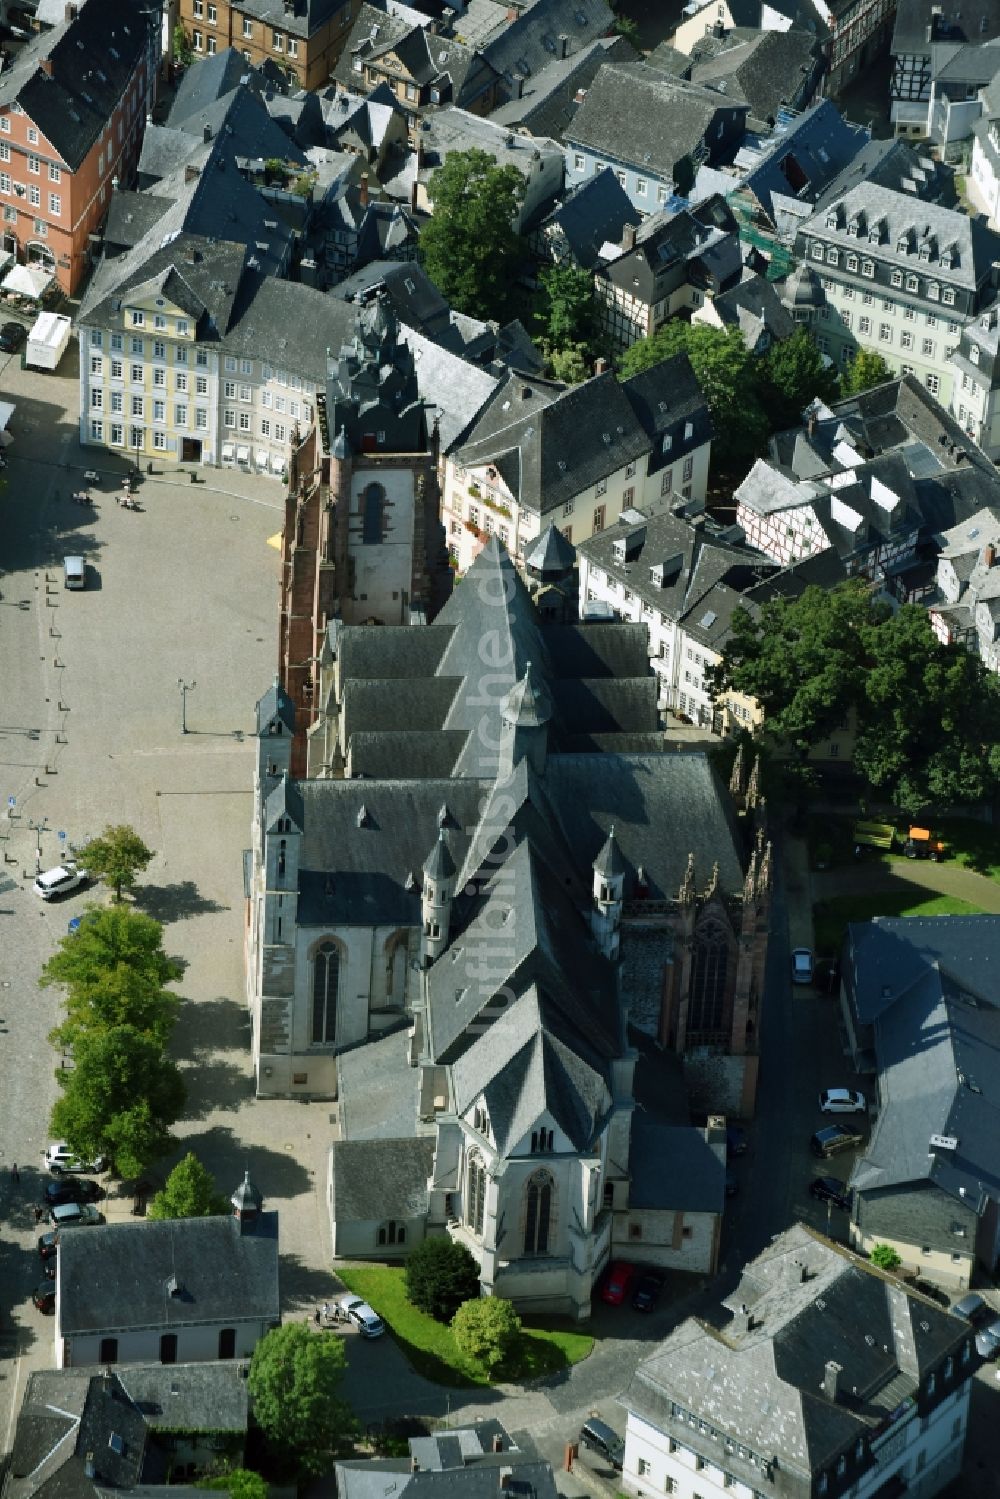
(609, 890)
(436, 899)
(523, 733)
(275, 731)
(247, 1204)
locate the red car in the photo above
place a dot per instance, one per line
(617, 1283)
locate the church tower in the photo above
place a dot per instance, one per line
(436, 899)
(523, 720)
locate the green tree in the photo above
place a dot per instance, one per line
(569, 364)
(929, 720)
(865, 370)
(115, 857)
(189, 1192)
(440, 1275)
(295, 1388)
(182, 48)
(119, 1099)
(629, 29)
(567, 305)
(728, 376)
(801, 659)
(239, 1483)
(115, 971)
(885, 1257)
(470, 248)
(792, 373)
(487, 1330)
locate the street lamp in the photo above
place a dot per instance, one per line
(185, 687)
(38, 828)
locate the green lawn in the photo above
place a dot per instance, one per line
(971, 844)
(831, 917)
(546, 1346)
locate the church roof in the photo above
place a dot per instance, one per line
(609, 861)
(275, 704)
(285, 801)
(552, 553)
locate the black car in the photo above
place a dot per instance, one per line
(831, 1189)
(50, 1266)
(736, 1140)
(75, 1189)
(48, 1244)
(12, 336)
(647, 1293)
(44, 1297)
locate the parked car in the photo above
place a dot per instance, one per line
(74, 1215)
(12, 336)
(842, 1101)
(932, 1292)
(802, 965)
(601, 1438)
(972, 1308)
(59, 1158)
(59, 881)
(647, 1292)
(617, 1283)
(48, 1244)
(44, 1297)
(831, 1189)
(736, 1140)
(75, 1189)
(988, 1340)
(834, 1138)
(367, 1321)
(50, 1265)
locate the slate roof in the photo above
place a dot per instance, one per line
(672, 1168)
(913, 17)
(924, 990)
(453, 129)
(894, 164)
(114, 1277)
(378, 1179)
(761, 1388)
(767, 70)
(207, 81)
(131, 217)
(427, 57)
(93, 57)
(754, 307)
(592, 214)
(479, 1480)
(303, 18)
(699, 243)
(188, 1397)
(634, 114)
(552, 449)
(549, 99)
(66, 1416)
(552, 553)
(808, 152)
(537, 37)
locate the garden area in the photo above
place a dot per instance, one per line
(542, 1348)
(832, 917)
(970, 844)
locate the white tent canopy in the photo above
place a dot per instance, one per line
(26, 281)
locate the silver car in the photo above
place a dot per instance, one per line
(59, 881)
(367, 1321)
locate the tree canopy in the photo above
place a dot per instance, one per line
(440, 1275)
(727, 374)
(119, 1098)
(487, 1330)
(189, 1192)
(239, 1483)
(116, 857)
(295, 1387)
(115, 971)
(792, 374)
(469, 247)
(865, 370)
(927, 714)
(567, 309)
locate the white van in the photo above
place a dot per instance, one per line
(75, 572)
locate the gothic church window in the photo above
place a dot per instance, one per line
(538, 1213)
(326, 977)
(708, 978)
(475, 1193)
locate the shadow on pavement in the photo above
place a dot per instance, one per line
(177, 902)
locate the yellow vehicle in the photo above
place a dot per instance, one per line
(921, 843)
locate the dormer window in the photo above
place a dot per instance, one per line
(832, 256)
(903, 244)
(868, 268)
(974, 353)
(831, 219)
(912, 283)
(852, 263)
(896, 278)
(925, 253)
(852, 229)
(688, 431)
(931, 1382)
(841, 1465)
(948, 296)
(933, 291)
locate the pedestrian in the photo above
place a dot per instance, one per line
(15, 1175)
(326, 1311)
(316, 1316)
(38, 1214)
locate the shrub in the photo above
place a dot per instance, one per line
(885, 1257)
(440, 1275)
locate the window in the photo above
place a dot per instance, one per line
(212, 46)
(180, 380)
(168, 1348)
(279, 432)
(974, 353)
(475, 1193)
(159, 375)
(852, 262)
(244, 420)
(817, 251)
(247, 27)
(326, 979)
(117, 434)
(180, 416)
(159, 349)
(599, 518)
(277, 41)
(96, 397)
(199, 8)
(391, 1233)
(537, 1213)
(159, 440)
(117, 402)
(868, 269)
(642, 1467)
(927, 348)
(55, 204)
(906, 339)
(948, 296)
(5, 124)
(200, 357)
(34, 195)
(118, 341)
(108, 1352)
(832, 256)
(213, 15)
(933, 384)
(293, 47)
(896, 278)
(601, 487)
(34, 165)
(885, 332)
(201, 419)
(912, 283)
(227, 1342)
(5, 187)
(182, 330)
(640, 187)
(245, 393)
(688, 469)
(667, 481)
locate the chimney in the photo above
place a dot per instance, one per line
(795, 1272)
(363, 190)
(742, 1319)
(413, 196)
(831, 1380)
(526, 392)
(45, 63)
(512, 14)
(414, 1465)
(989, 555)
(69, 14)
(206, 133)
(497, 1442)
(506, 1474)
(628, 237)
(811, 424)
(518, 83)
(190, 173)
(563, 44)
(600, 366)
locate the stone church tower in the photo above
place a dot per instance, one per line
(362, 540)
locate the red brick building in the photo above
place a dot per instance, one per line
(73, 108)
